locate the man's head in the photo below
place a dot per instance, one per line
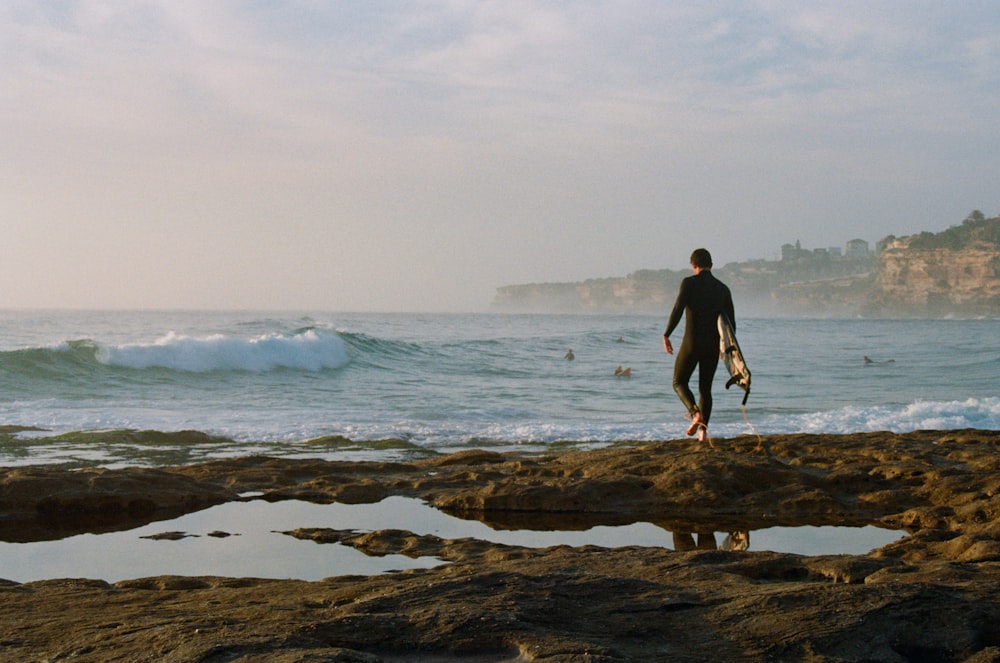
(701, 258)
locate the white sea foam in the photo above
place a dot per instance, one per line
(308, 350)
(981, 413)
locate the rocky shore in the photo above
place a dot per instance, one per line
(932, 596)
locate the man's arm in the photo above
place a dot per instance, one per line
(678, 311)
(730, 311)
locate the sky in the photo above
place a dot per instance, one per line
(415, 155)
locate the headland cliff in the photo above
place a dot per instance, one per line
(954, 273)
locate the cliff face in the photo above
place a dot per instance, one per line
(952, 273)
(934, 282)
(641, 292)
(757, 290)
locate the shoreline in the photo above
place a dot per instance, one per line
(932, 593)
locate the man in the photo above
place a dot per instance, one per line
(701, 299)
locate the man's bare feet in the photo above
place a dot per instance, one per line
(696, 423)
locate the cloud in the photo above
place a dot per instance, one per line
(453, 146)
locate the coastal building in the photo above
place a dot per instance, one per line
(792, 252)
(857, 248)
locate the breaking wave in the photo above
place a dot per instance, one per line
(308, 350)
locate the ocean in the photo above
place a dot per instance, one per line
(388, 386)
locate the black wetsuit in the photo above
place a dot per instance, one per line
(701, 299)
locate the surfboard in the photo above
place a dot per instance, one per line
(732, 356)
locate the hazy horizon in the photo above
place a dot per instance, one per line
(415, 156)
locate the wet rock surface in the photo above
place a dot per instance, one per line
(931, 596)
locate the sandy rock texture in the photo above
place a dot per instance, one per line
(933, 596)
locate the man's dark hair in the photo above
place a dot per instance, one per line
(701, 258)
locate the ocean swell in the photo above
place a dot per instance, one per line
(307, 350)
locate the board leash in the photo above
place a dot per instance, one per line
(708, 436)
(760, 440)
(746, 418)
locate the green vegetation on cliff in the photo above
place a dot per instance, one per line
(974, 231)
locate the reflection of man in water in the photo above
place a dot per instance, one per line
(701, 299)
(684, 541)
(739, 540)
(735, 541)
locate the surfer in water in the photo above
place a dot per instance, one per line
(701, 299)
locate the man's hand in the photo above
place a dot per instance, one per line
(668, 346)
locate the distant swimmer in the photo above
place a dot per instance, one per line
(869, 360)
(621, 340)
(569, 355)
(623, 372)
